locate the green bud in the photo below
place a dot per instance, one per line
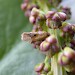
(41, 17)
(47, 67)
(70, 53)
(39, 67)
(34, 12)
(44, 46)
(65, 60)
(56, 17)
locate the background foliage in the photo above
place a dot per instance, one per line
(18, 57)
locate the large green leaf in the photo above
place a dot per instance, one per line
(16, 57)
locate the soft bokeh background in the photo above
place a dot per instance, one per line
(18, 57)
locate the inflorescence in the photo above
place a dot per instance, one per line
(51, 34)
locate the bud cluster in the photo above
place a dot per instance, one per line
(49, 45)
(43, 68)
(55, 19)
(36, 15)
(52, 42)
(26, 6)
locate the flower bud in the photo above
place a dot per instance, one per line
(32, 19)
(55, 48)
(47, 67)
(63, 60)
(70, 53)
(50, 14)
(67, 11)
(62, 16)
(39, 67)
(24, 6)
(51, 39)
(41, 17)
(66, 28)
(44, 46)
(56, 17)
(34, 12)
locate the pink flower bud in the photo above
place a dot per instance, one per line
(70, 53)
(44, 46)
(39, 67)
(32, 19)
(50, 14)
(62, 16)
(24, 6)
(51, 39)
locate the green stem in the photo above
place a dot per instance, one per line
(55, 67)
(43, 5)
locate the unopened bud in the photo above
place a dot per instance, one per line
(56, 17)
(44, 46)
(47, 67)
(70, 53)
(51, 39)
(62, 16)
(41, 17)
(50, 14)
(24, 6)
(32, 19)
(34, 12)
(63, 60)
(39, 67)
